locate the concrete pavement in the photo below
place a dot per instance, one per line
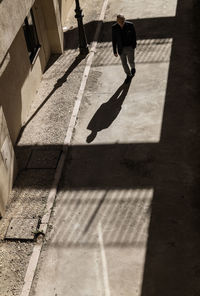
(126, 216)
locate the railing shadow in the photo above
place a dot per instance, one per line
(146, 29)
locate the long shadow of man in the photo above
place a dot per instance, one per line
(107, 112)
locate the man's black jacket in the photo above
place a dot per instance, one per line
(117, 39)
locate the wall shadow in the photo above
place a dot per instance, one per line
(58, 84)
(172, 265)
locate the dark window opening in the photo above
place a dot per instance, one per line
(30, 34)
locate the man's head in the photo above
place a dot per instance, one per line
(121, 20)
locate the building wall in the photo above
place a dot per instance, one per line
(16, 97)
(17, 70)
(12, 15)
(7, 163)
(51, 11)
(65, 8)
(45, 51)
(19, 78)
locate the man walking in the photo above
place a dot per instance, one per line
(124, 44)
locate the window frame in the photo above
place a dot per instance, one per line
(31, 36)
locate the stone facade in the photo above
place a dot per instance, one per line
(20, 76)
(7, 163)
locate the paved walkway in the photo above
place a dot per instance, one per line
(126, 214)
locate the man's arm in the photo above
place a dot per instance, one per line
(114, 41)
(134, 37)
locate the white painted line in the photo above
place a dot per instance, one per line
(104, 261)
(98, 274)
(103, 10)
(53, 191)
(31, 269)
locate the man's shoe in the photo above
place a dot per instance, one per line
(128, 79)
(133, 71)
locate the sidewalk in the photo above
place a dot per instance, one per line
(97, 242)
(126, 216)
(38, 152)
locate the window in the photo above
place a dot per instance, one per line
(30, 34)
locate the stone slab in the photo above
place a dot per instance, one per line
(41, 159)
(22, 156)
(21, 229)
